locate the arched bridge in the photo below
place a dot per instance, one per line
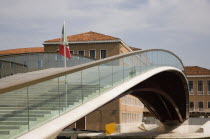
(41, 103)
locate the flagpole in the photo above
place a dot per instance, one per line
(64, 43)
(63, 50)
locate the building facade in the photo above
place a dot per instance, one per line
(124, 111)
(199, 89)
(91, 44)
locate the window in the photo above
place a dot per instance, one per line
(82, 53)
(208, 87)
(191, 106)
(39, 63)
(103, 54)
(71, 52)
(200, 87)
(1, 65)
(190, 86)
(208, 105)
(92, 53)
(200, 105)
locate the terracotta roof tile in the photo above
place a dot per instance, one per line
(195, 70)
(134, 48)
(87, 36)
(22, 50)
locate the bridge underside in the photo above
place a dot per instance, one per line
(165, 95)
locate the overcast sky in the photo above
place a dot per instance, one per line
(181, 26)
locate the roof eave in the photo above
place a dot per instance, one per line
(126, 46)
(82, 42)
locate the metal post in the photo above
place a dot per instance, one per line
(99, 80)
(66, 91)
(59, 103)
(28, 103)
(112, 74)
(82, 89)
(64, 56)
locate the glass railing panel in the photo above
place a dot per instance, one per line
(43, 102)
(41, 61)
(163, 59)
(151, 60)
(136, 64)
(3, 73)
(106, 76)
(13, 113)
(21, 63)
(11, 65)
(180, 66)
(174, 60)
(60, 63)
(74, 60)
(118, 75)
(53, 62)
(166, 59)
(143, 62)
(71, 91)
(177, 63)
(5, 66)
(63, 92)
(82, 60)
(156, 59)
(46, 60)
(89, 60)
(129, 70)
(69, 62)
(32, 62)
(90, 83)
(148, 62)
(160, 59)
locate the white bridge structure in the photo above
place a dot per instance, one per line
(40, 104)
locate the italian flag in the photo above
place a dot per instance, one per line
(63, 47)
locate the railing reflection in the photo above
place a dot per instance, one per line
(27, 62)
